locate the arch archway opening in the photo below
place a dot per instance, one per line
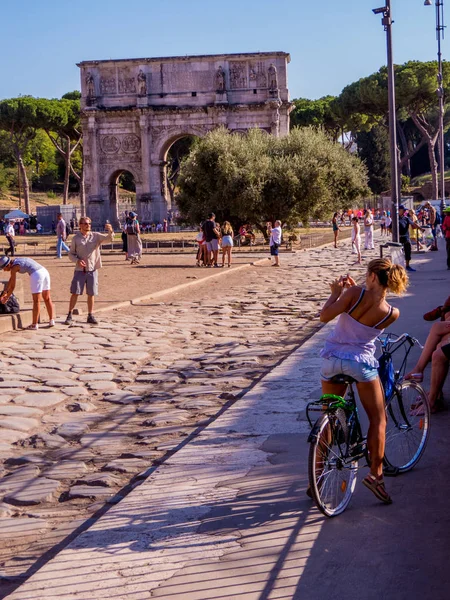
(176, 153)
(122, 195)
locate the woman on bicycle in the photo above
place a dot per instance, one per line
(350, 350)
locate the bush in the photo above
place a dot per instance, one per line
(257, 178)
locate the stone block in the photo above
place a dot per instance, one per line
(36, 491)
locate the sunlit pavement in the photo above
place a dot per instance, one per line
(227, 515)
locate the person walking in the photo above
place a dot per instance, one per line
(335, 228)
(388, 223)
(432, 220)
(368, 230)
(10, 235)
(350, 349)
(61, 232)
(356, 238)
(125, 241)
(227, 243)
(39, 282)
(134, 243)
(85, 253)
(404, 222)
(275, 242)
(383, 223)
(446, 230)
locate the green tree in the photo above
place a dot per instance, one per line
(259, 178)
(373, 149)
(61, 121)
(317, 113)
(18, 117)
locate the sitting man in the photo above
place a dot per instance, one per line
(436, 350)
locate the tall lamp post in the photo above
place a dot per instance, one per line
(440, 93)
(386, 21)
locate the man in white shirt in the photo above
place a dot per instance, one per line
(275, 242)
(10, 233)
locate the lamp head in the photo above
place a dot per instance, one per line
(378, 11)
(428, 3)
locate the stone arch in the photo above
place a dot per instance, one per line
(113, 191)
(163, 150)
(174, 134)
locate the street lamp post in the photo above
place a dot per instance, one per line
(387, 24)
(440, 93)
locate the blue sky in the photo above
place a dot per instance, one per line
(331, 43)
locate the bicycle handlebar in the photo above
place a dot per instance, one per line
(400, 338)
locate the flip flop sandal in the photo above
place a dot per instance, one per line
(376, 486)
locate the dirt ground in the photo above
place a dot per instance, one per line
(119, 281)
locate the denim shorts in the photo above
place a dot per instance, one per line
(336, 366)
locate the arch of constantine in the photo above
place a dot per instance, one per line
(134, 110)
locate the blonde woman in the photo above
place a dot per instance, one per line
(350, 349)
(227, 242)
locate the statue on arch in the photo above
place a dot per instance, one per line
(220, 80)
(273, 80)
(142, 83)
(90, 86)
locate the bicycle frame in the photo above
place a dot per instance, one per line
(330, 404)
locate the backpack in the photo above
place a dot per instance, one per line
(131, 228)
(438, 219)
(11, 306)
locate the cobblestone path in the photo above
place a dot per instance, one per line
(86, 411)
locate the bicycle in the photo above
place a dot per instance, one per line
(337, 443)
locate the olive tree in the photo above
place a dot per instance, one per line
(258, 178)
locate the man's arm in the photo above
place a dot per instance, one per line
(104, 238)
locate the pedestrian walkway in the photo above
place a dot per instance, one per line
(227, 516)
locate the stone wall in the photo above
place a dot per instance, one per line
(134, 110)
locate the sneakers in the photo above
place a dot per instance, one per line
(410, 269)
(51, 323)
(68, 320)
(92, 320)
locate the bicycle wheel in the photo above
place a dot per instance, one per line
(331, 478)
(408, 426)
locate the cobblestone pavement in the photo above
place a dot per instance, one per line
(86, 411)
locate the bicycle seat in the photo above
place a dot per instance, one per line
(343, 379)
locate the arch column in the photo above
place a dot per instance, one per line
(157, 192)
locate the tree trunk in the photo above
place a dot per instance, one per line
(80, 179)
(67, 171)
(433, 168)
(25, 185)
(430, 139)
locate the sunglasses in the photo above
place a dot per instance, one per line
(85, 223)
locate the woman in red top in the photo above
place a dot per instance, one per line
(446, 230)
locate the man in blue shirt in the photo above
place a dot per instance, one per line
(403, 230)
